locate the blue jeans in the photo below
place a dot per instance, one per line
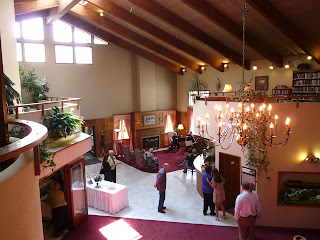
(162, 196)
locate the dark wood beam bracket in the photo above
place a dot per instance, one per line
(211, 13)
(286, 27)
(132, 36)
(94, 30)
(180, 24)
(119, 12)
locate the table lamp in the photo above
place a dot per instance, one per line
(180, 127)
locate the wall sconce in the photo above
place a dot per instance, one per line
(254, 67)
(287, 66)
(203, 68)
(312, 160)
(271, 67)
(184, 70)
(309, 58)
(226, 65)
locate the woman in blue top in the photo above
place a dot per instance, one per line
(207, 191)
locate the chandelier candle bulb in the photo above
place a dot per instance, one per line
(207, 118)
(276, 119)
(199, 121)
(227, 106)
(287, 123)
(271, 128)
(269, 108)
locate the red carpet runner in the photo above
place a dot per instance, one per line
(114, 228)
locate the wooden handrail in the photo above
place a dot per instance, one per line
(37, 133)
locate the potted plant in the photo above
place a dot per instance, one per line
(196, 84)
(62, 123)
(32, 84)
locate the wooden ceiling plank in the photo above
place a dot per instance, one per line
(132, 36)
(119, 12)
(214, 15)
(180, 24)
(286, 27)
(42, 14)
(63, 7)
(119, 42)
(34, 6)
(21, 1)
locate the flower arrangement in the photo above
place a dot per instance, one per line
(97, 178)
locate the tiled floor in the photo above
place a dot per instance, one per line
(183, 202)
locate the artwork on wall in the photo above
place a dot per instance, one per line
(149, 120)
(248, 175)
(261, 83)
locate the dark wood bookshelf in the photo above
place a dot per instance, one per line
(306, 83)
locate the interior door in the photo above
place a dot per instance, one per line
(229, 167)
(77, 196)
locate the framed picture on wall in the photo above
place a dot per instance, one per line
(262, 83)
(149, 120)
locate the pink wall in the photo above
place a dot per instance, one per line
(303, 141)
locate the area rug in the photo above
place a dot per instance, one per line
(115, 228)
(173, 158)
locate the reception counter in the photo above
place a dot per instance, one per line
(198, 162)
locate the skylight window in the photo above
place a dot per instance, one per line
(81, 36)
(83, 55)
(32, 29)
(64, 54)
(34, 52)
(62, 32)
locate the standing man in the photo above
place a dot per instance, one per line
(246, 211)
(161, 186)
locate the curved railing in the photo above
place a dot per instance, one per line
(35, 134)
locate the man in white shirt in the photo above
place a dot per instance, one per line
(246, 211)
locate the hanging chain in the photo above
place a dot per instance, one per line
(243, 37)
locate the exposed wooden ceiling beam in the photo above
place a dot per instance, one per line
(180, 24)
(33, 6)
(42, 14)
(62, 9)
(21, 1)
(119, 12)
(132, 36)
(210, 12)
(94, 30)
(286, 27)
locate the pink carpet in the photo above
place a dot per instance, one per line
(115, 228)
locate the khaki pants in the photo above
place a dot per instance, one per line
(246, 226)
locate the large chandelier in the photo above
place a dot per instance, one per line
(247, 122)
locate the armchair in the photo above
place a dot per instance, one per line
(128, 155)
(140, 160)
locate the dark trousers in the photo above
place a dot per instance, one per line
(174, 144)
(208, 202)
(246, 227)
(162, 197)
(113, 175)
(60, 219)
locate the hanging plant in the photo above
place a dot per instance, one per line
(257, 159)
(46, 157)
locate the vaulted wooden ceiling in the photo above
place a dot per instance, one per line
(192, 33)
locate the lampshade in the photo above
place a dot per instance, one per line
(227, 88)
(180, 127)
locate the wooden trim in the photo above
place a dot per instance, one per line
(220, 19)
(286, 27)
(180, 24)
(62, 9)
(38, 133)
(106, 36)
(22, 17)
(119, 12)
(34, 6)
(4, 136)
(134, 37)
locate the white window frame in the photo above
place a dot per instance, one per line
(194, 94)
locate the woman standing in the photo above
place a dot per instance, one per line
(218, 194)
(109, 167)
(58, 209)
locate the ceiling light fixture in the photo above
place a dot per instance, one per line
(287, 66)
(254, 67)
(101, 14)
(249, 123)
(309, 57)
(271, 67)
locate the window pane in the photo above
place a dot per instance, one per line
(19, 52)
(81, 36)
(99, 41)
(64, 54)
(33, 29)
(62, 32)
(83, 55)
(34, 52)
(17, 31)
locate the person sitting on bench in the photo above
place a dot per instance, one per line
(174, 142)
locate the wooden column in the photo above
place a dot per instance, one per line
(4, 137)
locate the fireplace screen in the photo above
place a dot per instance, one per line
(150, 142)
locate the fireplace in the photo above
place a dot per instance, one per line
(150, 142)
